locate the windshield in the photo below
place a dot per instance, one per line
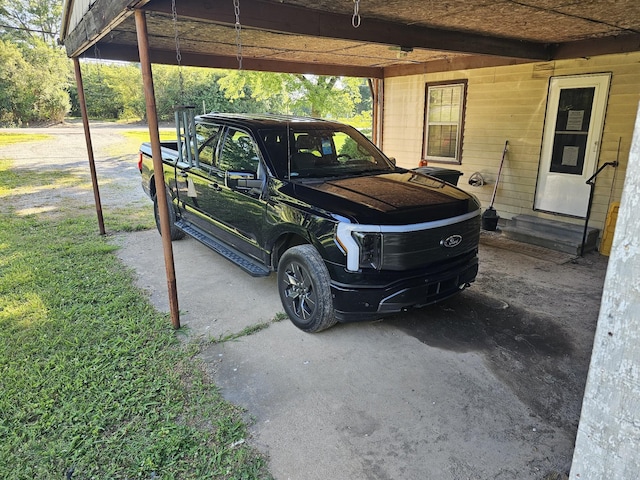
(310, 152)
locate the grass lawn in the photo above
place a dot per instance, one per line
(92, 379)
(139, 136)
(8, 138)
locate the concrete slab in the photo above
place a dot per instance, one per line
(487, 385)
(369, 402)
(215, 297)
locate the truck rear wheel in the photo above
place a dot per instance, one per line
(176, 233)
(304, 287)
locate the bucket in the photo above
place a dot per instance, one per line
(490, 219)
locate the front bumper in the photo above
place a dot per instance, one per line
(358, 302)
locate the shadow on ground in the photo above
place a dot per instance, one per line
(529, 351)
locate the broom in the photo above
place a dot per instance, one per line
(490, 216)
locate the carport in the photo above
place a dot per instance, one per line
(379, 39)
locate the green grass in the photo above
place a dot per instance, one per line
(92, 378)
(140, 136)
(133, 139)
(9, 138)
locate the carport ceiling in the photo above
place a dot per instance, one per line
(395, 37)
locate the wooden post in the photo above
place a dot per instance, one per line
(152, 119)
(377, 92)
(87, 137)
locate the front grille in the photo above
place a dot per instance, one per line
(421, 248)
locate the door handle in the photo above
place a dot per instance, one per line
(215, 186)
(184, 174)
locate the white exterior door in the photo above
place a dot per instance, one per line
(571, 143)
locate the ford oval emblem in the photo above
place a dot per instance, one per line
(452, 241)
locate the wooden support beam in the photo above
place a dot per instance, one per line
(598, 46)
(163, 208)
(114, 51)
(451, 65)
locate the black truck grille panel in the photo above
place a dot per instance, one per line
(409, 250)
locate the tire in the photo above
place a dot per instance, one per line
(176, 233)
(304, 287)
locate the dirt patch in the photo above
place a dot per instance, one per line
(66, 154)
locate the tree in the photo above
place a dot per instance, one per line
(198, 87)
(24, 20)
(36, 74)
(33, 83)
(111, 90)
(315, 95)
(14, 90)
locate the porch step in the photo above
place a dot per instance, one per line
(227, 251)
(553, 234)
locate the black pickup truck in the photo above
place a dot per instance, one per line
(350, 235)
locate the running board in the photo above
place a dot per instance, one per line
(240, 259)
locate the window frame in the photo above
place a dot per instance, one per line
(457, 160)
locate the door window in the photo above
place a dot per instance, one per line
(239, 153)
(208, 136)
(239, 163)
(572, 130)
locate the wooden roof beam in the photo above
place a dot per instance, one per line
(103, 16)
(128, 53)
(623, 43)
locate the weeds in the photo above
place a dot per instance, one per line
(250, 330)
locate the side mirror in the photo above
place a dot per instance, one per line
(393, 160)
(242, 180)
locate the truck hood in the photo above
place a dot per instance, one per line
(396, 198)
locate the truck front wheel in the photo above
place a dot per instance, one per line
(304, 287)
(176, 233)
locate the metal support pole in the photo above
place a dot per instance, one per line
(152, 119)
(87, 137)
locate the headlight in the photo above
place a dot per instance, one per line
(362, 244)
(370, 246)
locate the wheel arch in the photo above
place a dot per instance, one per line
(284, 242)
(152, 186)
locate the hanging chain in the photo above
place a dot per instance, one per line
(98, 59)
(238, 26)
(355, 20)
(176, 33)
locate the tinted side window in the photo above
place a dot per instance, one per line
(208, 137)
(239, 153)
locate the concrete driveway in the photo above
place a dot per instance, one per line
(487, 385)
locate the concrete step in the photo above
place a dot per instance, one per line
(553, 234)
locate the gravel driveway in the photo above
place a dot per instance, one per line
(487, 385)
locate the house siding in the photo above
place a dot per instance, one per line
(509, 103)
